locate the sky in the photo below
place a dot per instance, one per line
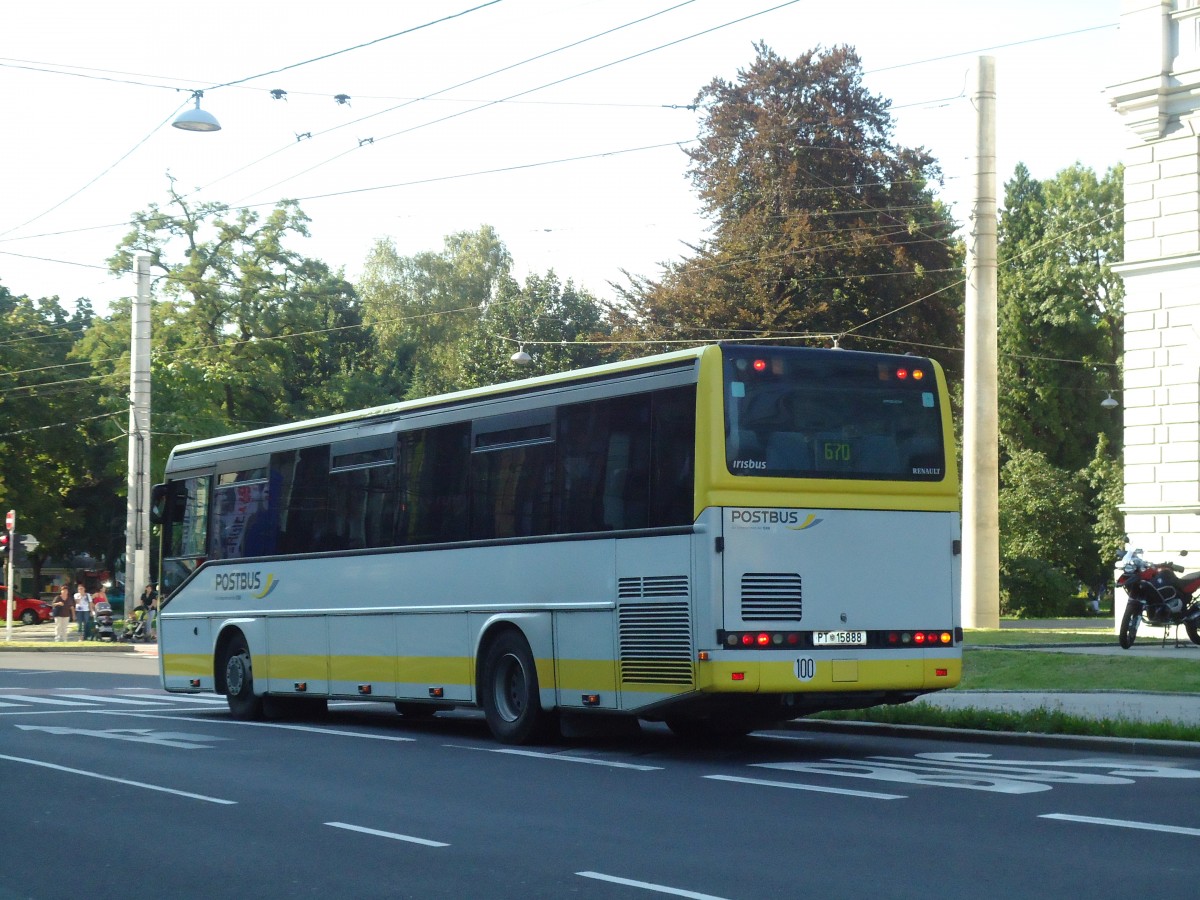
(573, 155)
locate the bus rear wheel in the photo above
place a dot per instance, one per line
(509, 691)
(239, 682)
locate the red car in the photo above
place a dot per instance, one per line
(25, 609)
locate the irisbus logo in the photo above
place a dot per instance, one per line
(792, 519)
(236, 582)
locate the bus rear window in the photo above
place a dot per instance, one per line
(807, 413)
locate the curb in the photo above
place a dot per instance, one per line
(1092, 743)
(69, 647)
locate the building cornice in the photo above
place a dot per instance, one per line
(1154, 266)
(1166, 509)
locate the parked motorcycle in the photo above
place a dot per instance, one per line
(1159, 595)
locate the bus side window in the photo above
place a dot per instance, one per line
(673, 457)
(604, 465)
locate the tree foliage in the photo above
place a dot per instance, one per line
(1060, 341)
(821, 224)
(557, 324)
(56, 469)
(419, 308)
(247, 332)
(1059, 316)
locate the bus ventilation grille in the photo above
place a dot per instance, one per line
(655, 633)
(771, 597)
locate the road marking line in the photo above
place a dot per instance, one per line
(646, 885)
(124, 781)
(560, 757)
(1124, 823)
(870, 795)
(48, 700)
(224, 721)
(203, 701)
(99, 698)
(387, 834)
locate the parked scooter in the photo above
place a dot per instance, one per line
(1158, 595)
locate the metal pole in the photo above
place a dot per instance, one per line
(981, 467)
(8, 609)
(137, 522)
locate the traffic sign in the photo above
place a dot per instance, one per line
(10, 521)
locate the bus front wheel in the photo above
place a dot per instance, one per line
(239, 682)
(509, 691)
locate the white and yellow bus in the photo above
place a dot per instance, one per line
(717, 538)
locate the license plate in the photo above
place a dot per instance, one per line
(839, 638)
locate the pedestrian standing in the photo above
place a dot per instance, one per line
(152, 619)
(61, 611)
(83, 611)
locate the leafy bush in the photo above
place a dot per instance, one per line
(1031, 588)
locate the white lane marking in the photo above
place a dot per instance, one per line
(47, 700)
(1124, 823)
(216, 720)
(100, 698)
(10, 704)
(870, 795)
(647, 886)
(387, 834)
(560, 757)
(137, 735)
(125, 781)
(204, 701)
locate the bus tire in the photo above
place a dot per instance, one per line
(239, 681)
(509, 691)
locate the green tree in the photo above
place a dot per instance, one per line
(58, 469)
(247, 332)
(821, 224)
(1059, 312)
(1060, 341)
(558, 325)
(1038, 562)
(419, 307)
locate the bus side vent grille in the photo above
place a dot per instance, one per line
(652, 586)
(656, 641)
(771, 597)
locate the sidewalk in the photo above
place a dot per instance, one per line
(40, 638)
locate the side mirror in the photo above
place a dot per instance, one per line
(158, 504)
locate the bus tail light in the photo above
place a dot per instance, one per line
(738, 676)
(793, 640)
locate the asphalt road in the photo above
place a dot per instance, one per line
(365, 804)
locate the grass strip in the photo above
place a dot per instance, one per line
(996, 637)
(1024, 670)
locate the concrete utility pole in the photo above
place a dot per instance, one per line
(137, 520)
(981, 467)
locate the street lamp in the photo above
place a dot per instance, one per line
(196, 119)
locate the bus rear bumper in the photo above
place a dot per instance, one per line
(817, 675)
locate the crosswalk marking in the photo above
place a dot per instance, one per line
(31, 698)
(109, 699)
(78, 698)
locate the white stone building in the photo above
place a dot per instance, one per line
(1159, 99)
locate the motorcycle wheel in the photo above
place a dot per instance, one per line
(1129, 624)
(1193, 630)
